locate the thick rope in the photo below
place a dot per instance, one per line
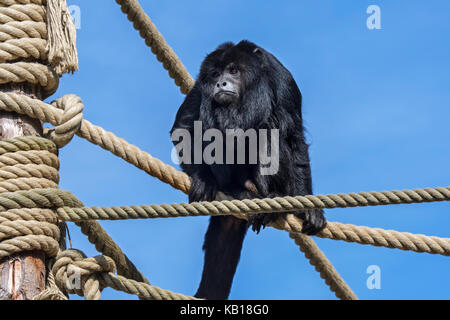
(23, 30)
(23, 48)
(62, 37)
(24, 35)
(372, 236)
(322, 265)
(247, 206)
(74, 264)
(25, 223)
(154, 39)
(30, 72)
(70, 122)
(142, 290)
(46, 32)
(241, 208)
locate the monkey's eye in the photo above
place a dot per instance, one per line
(234, 70)
(215, 74)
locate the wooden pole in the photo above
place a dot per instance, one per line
(22, 275)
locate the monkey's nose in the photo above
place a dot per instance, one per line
(224, 84)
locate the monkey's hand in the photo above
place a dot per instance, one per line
(202, 189)
(313, 221)
(257, 220)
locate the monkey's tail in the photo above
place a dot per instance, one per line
(223, 244)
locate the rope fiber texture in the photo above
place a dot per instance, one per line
(29, 32)
(28, 223)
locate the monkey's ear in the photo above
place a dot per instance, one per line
(257, 51)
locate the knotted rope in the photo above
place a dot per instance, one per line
(94, 274)
(70, 121)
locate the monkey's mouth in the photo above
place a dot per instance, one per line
(226, 93)
(226, 97)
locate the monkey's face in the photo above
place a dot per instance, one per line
(228, 85)
(228, 73)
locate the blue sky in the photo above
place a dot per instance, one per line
(376, 106)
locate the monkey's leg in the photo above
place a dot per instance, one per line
(223, 244)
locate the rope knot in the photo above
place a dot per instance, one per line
(81, 275)
(70, 122)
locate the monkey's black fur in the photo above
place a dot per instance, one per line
(265, 97)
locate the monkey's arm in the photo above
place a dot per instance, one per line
(300, 182)
(294, 175)
(203, 184)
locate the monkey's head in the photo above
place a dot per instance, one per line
(228, 72)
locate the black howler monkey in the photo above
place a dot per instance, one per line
(243, 87)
